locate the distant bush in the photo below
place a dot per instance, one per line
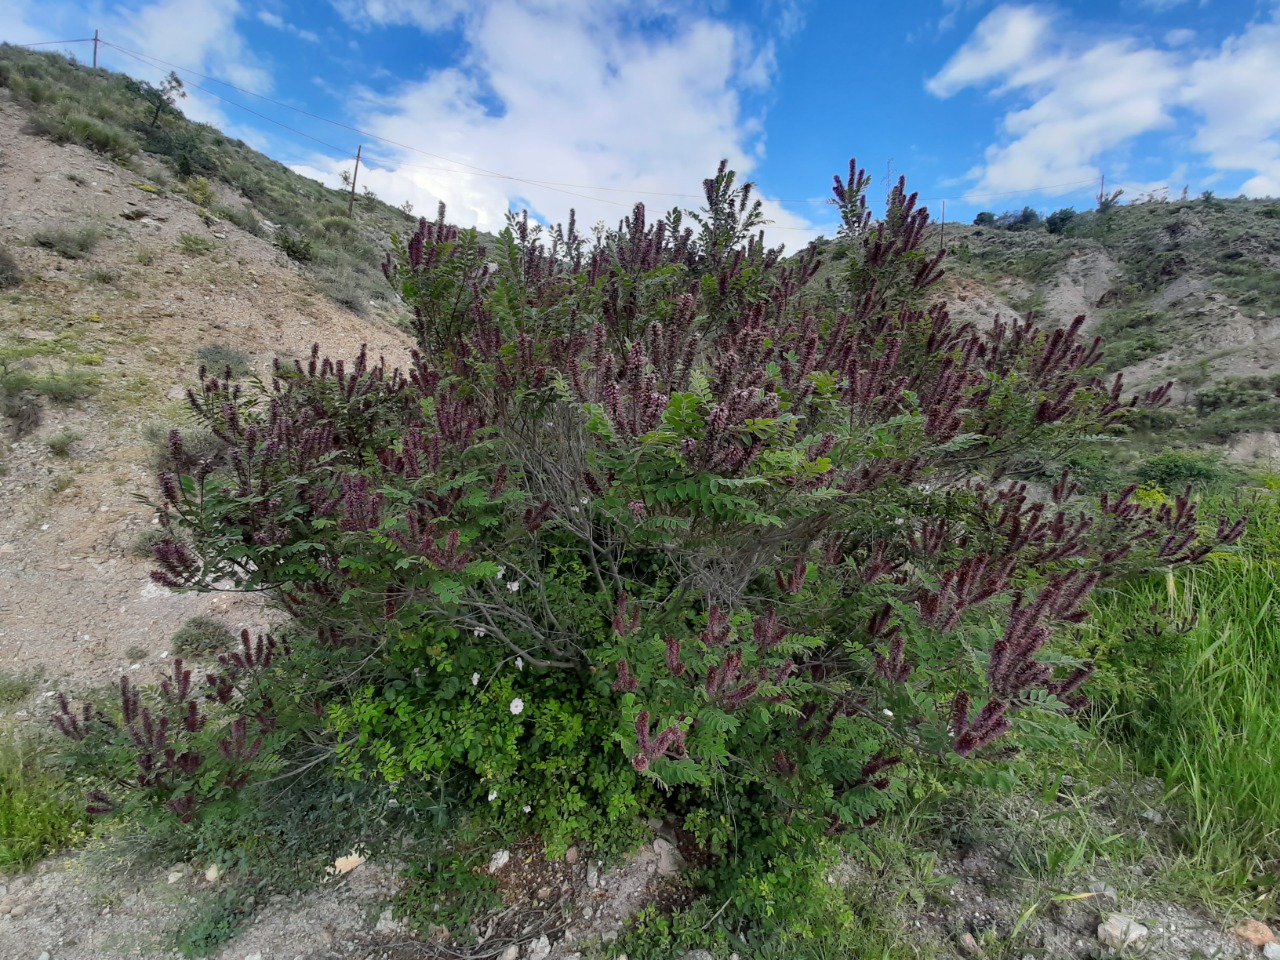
(10, 272)
(73, 243)
(1172, 470)
(194, 244)
(67, 125)
(201, 636)
(244, 218)
(1060, 220)
(200, 192)
(220, 358)
(295, 246)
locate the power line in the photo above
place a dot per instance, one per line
(53, 43)
(472, 169)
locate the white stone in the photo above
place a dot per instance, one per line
(1272, 951)
(540, 949)
(1120, 931)
(669, 859)
(499, 860)
(213, 873)
(511, 953)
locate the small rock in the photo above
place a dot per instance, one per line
(253, 956)
(698, 955)
(1271, 951)
(1155, 816)
(499, 860)
(511, 953)
(1254, 933)
(387, 923)
(175, 876)
(213, 873)
(6, 907)
(669, 859)
(1120, 931)
(545, 893)
(130, 900)
(44, 955)
(593, 876)
(18, 911)
(540, 949)
(968, 945)
(571, 855)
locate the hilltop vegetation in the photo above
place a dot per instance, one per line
(129, 121)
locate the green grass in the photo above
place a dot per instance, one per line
(37, 814)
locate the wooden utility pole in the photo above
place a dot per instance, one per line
(95, 49)
(942, 234)
(355, 173)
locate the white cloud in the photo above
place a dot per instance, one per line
(277, 22)
(571, 96)
(1004, 43)
(1233, 91)
(1080, 103)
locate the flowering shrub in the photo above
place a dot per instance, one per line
(654, 520)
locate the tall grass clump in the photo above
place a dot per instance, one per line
(1205, 719)
(37, 815)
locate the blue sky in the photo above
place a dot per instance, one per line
(553, 104)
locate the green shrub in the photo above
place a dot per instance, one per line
(676, 539)
(74, 243)
(295, 246)
(194, 244)
(16, 687)
(200, 192)
(60, 444)
(10, 272)
(1172, 470)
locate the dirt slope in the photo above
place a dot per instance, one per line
(72, 598)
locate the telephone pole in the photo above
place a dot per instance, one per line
(355, 173)
(95, 49)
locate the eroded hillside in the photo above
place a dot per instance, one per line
(111, 331)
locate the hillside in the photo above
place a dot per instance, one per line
(1185, 291)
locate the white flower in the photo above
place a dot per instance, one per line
(517, 706)
(475, 679)
(479, 631)
(493, 795)
(584, 501)
(887, 713)
(519, 663)
(527, 808)
(513, 586)
(502, 572)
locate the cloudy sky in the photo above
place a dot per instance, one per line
(552, 104)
